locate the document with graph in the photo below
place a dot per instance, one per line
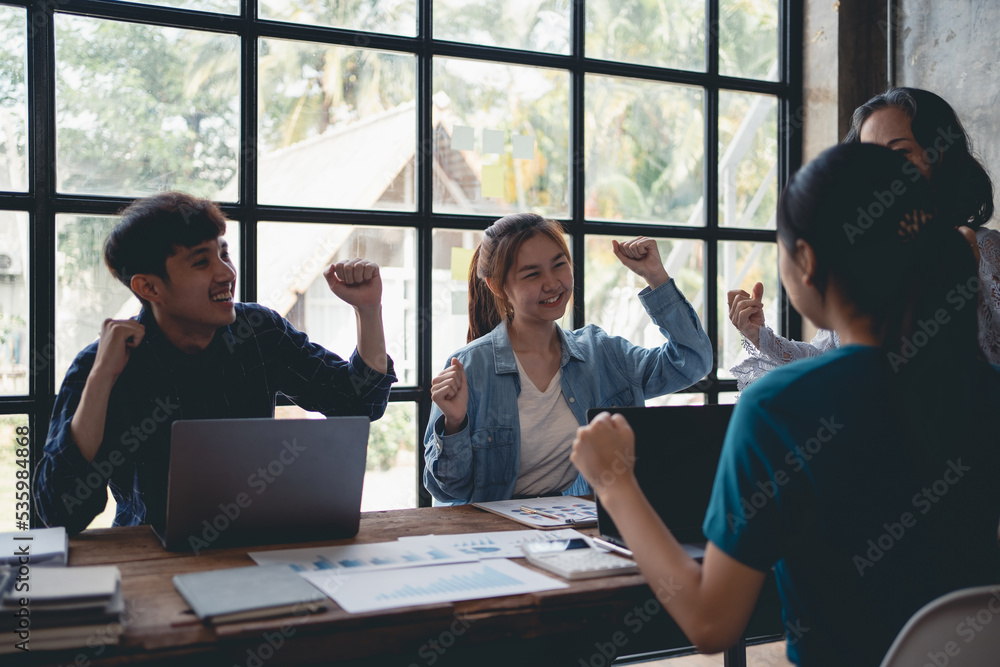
(362, 557)
(498, 544)
(546, 513)
(372, 591)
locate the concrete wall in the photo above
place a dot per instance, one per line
(844, 64)
(844, 53)
(953, 49)
(819, 78)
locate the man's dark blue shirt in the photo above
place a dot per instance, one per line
(237, 376)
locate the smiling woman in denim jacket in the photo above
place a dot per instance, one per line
(507, 405)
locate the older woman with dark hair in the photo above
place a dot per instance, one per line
(926, 130)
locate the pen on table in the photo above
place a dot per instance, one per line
(530, 510)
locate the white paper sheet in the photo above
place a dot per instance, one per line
(498, 544)
(362, 557)
(372, 591)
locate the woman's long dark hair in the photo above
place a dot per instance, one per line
(962, 186)
(896, 259)
(493, 259)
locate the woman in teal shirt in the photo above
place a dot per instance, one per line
(879, 458)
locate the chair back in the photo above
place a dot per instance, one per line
(959, 629)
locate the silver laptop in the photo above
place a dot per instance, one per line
(258, 481)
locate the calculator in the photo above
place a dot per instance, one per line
(576, 559)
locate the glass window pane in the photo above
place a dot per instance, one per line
(644, 150)
(338, 127)
(396, 17)
(530, 25)
(501, 139)
(13, 100)
(391, 468)
(141, 109)
(86, 292)
(748, 39)
(666, 33)
(741, 264)
(748, 160)
(106, 518)
(727, 397)
(291, 258)
(215, 6)
(14, 469)
(612, 291)
(677, 399)
(612, 300)
(449, 325)
(15, 360)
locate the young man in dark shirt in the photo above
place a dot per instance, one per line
(191, 353)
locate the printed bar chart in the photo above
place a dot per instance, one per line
(371, 591)
(485, 578)
(362, 557)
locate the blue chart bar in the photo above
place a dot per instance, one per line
(486, 578)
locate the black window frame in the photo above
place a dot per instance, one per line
(42, 202)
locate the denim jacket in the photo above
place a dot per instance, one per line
(481, 462)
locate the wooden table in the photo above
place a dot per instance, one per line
(586, 624)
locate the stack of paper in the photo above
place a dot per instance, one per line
(46, 608)
(40, 546)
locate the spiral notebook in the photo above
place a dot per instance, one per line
(247, 593)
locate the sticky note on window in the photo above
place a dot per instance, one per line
(460, 302)
(493, 141)
(462, 138)
(524, 146)
(492, 184)
(461, 258)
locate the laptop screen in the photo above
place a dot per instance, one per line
(677, 452)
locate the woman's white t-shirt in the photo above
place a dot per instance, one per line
(548, 428)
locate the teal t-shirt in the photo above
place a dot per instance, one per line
(818, 479)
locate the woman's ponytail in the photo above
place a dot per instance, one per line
(483, 312)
